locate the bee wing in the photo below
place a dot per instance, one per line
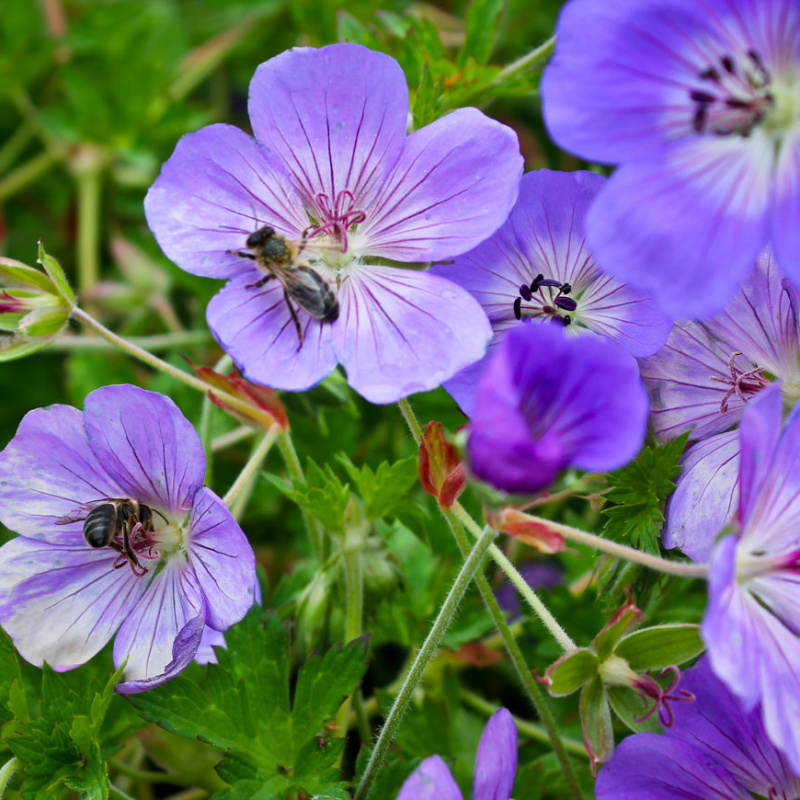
(79, 514)
(311, 292)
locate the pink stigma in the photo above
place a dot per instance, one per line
(337, 217)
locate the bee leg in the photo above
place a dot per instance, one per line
(260, 283)
(242, 254)
(296, 319)
(127, 550)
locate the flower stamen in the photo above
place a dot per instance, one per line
(647, 687)
(337, 217)
(734, 99)
(743, 384)
(548, 298)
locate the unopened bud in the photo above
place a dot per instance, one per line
(442, 471)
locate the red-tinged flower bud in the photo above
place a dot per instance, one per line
(525, 528)
(265, 409)
(442, 471)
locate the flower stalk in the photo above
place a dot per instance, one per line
(426, 653)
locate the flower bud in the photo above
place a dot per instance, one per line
(442, 471)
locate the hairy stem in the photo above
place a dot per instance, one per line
(426, 652)
(27, 173)
(244, 479)
(7, 772)
(532, 690)
(681, 568)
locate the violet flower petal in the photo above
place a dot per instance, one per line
(223, 561)
(336, 117)
(219, 186)
(786, 211)
(706, 497)
(431, 780)
(761, 441)
(653, 767)
(623, 108)
(184, 650)
(717, 724)
(761, 323)
(455, 183)
(210, 639)
(62, 604)
(146, 444)
(683, 229)
(422, 330)
(163, 626)
(581, 405)
(496, 762)
(254, 326)
(48, 472)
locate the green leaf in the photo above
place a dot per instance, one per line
(324, 496)
(661, 646)
(638, 493)
(244, 709)
(571, 672)
(428, 100)
(381, 491)
(482, 18)
(10, 677)
(12, 347)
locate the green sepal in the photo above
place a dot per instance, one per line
(12, 348)
(43, 323)
(598, 731)
(20, 275)
(625, 620)
(661, 646)
(572, 671)
(630, 706)
(57, 275)
(482, 25)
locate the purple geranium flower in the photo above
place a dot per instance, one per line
(331, 163)
(192, 571)
(699, 102)
(546, 402)
(495, 767)
(537, 266)
(715, 750)
(700, 382)
(753, 618)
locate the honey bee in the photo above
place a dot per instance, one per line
(279, 258)
(105, 521)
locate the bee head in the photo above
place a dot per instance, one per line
(259, 237)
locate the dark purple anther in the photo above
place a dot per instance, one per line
(566, 288)
(517, 308)
(536, 281)
(566, 303)
(526, 293)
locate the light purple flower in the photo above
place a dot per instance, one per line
(537, 266)
(495, 767)
(752, 621)
(715, 750)
(700, 382)
(62, 600)
(546, 402)
(698, 101)
(331, 156)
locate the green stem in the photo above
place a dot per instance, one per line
(16, 144)
(528, 61)
(531, 598)
(118, 794)
(411, 420)
(354, 611)
(7, 772)
(428, 650)
(295, 472)
(29, 172)
(164, 341)
(149, 776)
(157, 363)
(527, 729)
(681, 568)
(535, 694)
(88, 169)
(244, 479)
(225, 440)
